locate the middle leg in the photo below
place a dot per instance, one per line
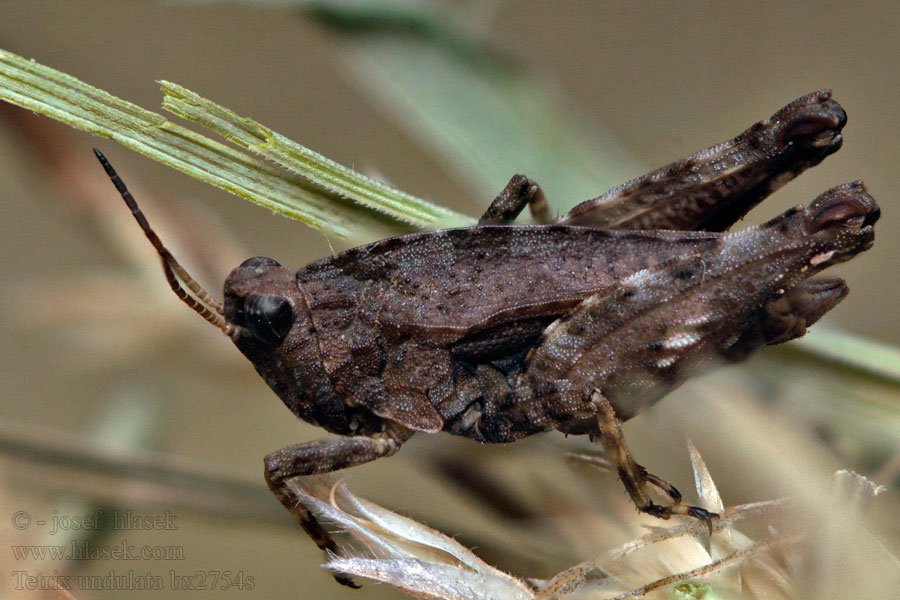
(509, 203)
(634, 477)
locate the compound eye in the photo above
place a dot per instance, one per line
(268, 317)
(258, 262)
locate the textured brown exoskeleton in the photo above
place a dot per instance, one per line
(497, 331)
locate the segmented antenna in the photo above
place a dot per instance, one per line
(203, 304)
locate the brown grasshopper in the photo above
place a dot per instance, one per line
(496, 332)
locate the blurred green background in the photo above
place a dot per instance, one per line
(427, 97)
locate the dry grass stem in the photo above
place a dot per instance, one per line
(425, 563)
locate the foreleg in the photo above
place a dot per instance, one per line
(325, 456)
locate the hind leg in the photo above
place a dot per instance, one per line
(711, 189)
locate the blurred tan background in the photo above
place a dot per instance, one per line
(95, 345)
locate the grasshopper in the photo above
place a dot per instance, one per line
(499, 331)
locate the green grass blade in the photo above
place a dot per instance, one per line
(852, 351)
(322, 171)
(49, 92)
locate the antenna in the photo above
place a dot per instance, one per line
(203, 304)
